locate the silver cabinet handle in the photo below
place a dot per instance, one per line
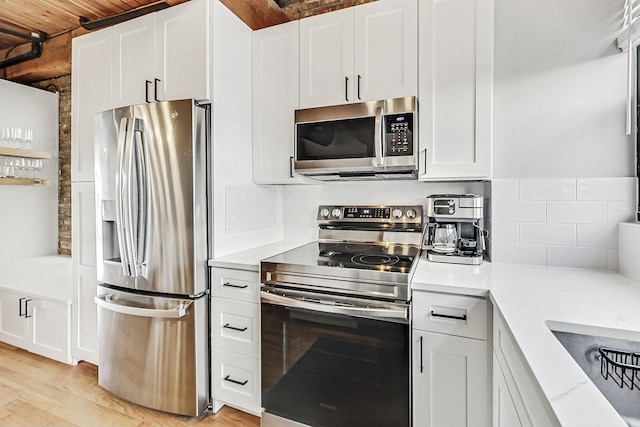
(106, 302)
(374, 313)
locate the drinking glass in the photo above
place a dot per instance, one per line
(27, 142)
(4, 137)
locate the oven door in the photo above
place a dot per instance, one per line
(334, 362)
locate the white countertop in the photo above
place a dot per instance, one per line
(532, 297)
(47, 277)
(250, 259)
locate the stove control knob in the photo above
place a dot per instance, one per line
(324, 213)
(336, 213)
(397, 213)
(411, 214)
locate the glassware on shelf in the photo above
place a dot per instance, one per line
(8, 169)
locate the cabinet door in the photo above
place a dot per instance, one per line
(326, 59)
(386, 50)
(456, 83)
(182, 51)
(449, 381)
(83, 254)
(90, 93)
(505, 413)
(275, 97)
(13, 326)
(50, 328)
(134, 53)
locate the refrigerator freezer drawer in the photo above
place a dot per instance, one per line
(154, 351)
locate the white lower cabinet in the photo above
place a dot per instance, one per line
(37, 325)
(450, 361)
(235, 338)
(517, 397)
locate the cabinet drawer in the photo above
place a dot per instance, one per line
(235, 284)
(236, 326)
(236, 380)
(460, 315)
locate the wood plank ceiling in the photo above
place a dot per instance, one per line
(60, 20)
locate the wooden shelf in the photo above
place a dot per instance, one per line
(26, 181)
(27, 154)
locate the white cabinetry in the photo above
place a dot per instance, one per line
(90, 93)
(455, 89)
(450, 360)
(162, 56)
(36, 325)
(83, 235)
(275, 97)
(235, 337)
(517, 398)
(358, 54)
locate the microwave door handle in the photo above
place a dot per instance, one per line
(379, 140)
(120, 197)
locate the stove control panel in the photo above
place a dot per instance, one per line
(384, 214)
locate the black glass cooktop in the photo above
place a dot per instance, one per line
(392, 258)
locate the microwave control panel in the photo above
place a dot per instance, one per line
(399, 134)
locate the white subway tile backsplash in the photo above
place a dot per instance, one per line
(613, 260)
(504, 190)
(628, 264)
(505, 232)
(618, 212)
(606, 189)
(519, 211)
(547, 189)
(519, 254)
(629, 237)
(548, 234)
(597, 236)
(577, 212)
(573, 256)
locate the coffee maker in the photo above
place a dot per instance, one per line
(454, 230)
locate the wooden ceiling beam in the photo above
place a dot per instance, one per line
(257, 14)
(54, 61)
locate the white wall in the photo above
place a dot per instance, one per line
(560, 86)
(29, 214)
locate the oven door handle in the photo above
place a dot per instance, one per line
(369, 312)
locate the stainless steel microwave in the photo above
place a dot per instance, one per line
(367, 140)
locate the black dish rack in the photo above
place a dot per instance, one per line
(622, 366)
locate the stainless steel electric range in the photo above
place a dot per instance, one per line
(335, 321)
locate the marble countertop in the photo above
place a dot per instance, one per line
(535, 299)
(250, 259)
(47, 277)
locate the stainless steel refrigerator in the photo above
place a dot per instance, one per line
(152, 250)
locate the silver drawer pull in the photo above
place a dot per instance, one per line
(230, 285)
(231, 380)
(448, 316)
(227, 326)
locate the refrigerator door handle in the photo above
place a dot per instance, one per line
(106, 302)
(121, 208)
(141, 200)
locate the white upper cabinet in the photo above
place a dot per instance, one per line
(358, 54)
(90, 93)
(275, 97)
(162, 56)
(133, 60)
(455, 89)
(182, 51)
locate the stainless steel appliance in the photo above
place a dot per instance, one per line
(454, 231)
(368, 140)
(335, 333)
(152, 240)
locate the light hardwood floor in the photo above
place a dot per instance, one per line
(36, 391)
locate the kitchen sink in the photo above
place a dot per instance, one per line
(613, 358)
